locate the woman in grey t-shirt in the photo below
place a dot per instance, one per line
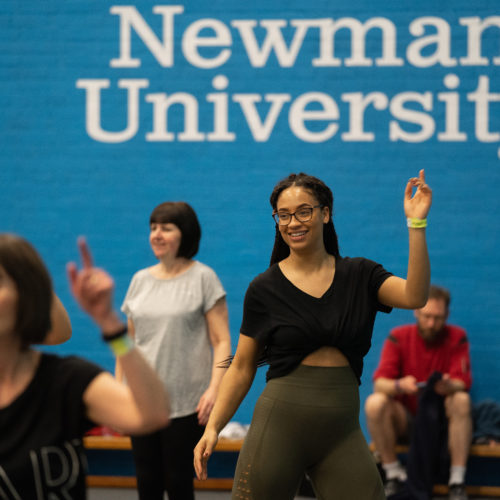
(177, 315)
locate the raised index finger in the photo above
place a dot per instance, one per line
(421, 174)
(85, 253)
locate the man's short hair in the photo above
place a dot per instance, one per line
(440, 293)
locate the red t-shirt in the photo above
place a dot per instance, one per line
(406, 353)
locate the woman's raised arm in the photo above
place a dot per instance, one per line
(140, 406)
(412, 292)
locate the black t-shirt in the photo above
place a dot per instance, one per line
(41, 451)
(290, 324)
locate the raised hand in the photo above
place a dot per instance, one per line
(92, 287)
(419, 204)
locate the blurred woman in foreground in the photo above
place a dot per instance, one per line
(47, 402)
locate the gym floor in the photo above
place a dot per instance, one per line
(130, 494)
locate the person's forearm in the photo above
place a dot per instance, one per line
(386, 386)
(418, 276)
(222, 351)
(146, 388)
(118, 371)
(233, 388)
(148, 391)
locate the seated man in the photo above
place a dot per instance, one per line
(410, 355)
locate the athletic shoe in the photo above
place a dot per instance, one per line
(457, 492)
(393, 487)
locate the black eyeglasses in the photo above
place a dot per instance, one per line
(303, 214)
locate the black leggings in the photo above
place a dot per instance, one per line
(164, 460)
(307, 422)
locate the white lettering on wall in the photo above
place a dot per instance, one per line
(482, 99)
(313, 116)
(261, 130)
(299, 115)
(191, 41)
(358, 42)
(357, 107)
(452, 111)
(306, 112)
(475, 29)
(441, 40)
(130, 18)
(93, 108)
(273, 41)
(162, 48)
(161, 104)
(220, 101)
(425, 121)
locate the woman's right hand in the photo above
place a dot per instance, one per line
(202, 452)
(93, 289)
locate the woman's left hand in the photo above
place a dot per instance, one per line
(418, 205)
(205, 405)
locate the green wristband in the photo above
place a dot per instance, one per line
(121, 345)
(416, 223)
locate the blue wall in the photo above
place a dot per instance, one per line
(432, 101)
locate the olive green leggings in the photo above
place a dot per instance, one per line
(307, 422)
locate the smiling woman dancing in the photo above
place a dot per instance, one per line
(47, 402)
(310, 316)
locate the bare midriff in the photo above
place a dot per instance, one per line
(325, 356)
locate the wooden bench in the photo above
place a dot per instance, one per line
(122, 443)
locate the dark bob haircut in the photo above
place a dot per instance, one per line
(325, 198)
(34, 287)
(184, 217)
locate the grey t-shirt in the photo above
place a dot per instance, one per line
(171, 330)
